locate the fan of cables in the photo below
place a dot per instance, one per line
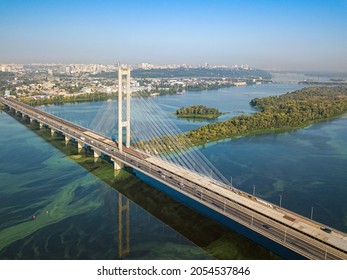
(153, 132)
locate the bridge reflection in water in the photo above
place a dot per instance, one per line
(123, 226)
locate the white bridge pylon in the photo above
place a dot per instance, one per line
(123, 72)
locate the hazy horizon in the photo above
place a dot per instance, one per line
(269, 35)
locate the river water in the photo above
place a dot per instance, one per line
(77, 201)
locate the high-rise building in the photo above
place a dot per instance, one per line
(67, 70)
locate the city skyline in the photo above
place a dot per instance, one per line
(271, 35)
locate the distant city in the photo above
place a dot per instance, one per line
(71, 69)
(98, 81)
(39, 81)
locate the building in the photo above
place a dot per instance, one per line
(86, 90)
(239, 84)
(67, 70)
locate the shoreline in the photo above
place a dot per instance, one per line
(267, 131)
(56, 101)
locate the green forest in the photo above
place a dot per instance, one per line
(95, 96)
(198, 111)
(287, 111)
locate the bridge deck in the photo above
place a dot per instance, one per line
(281, 215)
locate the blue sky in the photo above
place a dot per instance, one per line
(285, 35)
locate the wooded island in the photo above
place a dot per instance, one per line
(198, 111)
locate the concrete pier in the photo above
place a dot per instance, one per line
(97, 154)
(79, 146)
(117, 165)
(67, 139)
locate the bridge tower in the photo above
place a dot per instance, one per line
(123, 72)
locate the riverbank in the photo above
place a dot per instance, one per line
(88, 97)
(101, 96)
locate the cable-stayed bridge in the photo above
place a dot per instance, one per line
(182, 169)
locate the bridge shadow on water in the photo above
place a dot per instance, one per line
(218, 240)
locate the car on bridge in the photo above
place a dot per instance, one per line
(327, 230)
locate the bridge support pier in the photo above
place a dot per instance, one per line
(41, 125)
(117, 165)
(97, 154)
(67, 139)
(31, 120)
(52, 131)
(79, 146)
